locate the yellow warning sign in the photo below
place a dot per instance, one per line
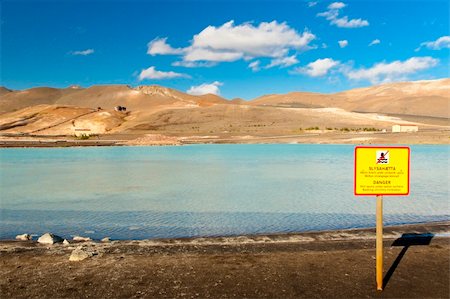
(381, 170)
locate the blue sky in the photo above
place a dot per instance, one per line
(234, 48)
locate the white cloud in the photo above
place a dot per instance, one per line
(152, 73)
(344, 22)
(336, 5)
(194, 63)
(265, 40)
(205, 88)
(83, 52)
(318, 68)
(332, 15)
(283, 61)
(230, 42)
(255, 65)
(312, 3)
(374, 42)
(440, 43)
(206, 54)
(160, 46)
(394, 71)
(343, 43)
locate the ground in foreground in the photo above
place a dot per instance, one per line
(338, 264)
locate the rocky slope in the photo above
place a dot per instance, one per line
(161, 110)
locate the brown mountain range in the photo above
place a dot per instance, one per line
(156, 109)
(423, 98)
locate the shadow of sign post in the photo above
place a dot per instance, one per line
(406, 240)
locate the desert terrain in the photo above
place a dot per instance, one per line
(49, 116)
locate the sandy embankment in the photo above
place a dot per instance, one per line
(152, 139)
(421, 137)
(337, 264)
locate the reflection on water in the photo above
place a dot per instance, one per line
(203, 190)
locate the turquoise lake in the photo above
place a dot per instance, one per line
(204, 190)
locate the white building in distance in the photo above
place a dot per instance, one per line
(404, 128)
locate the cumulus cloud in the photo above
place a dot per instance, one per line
(343, 43)
(194, 63)
(83, 52)
(266, 40)
(205, 88)
(318, 68)
(344, 22)
(207, 54)
(374, 42)
(161, 47)
(441, 43)
(152, 73)
(333, 15)
(255, 65)
(393, 71)
(283, 61)
(336, 5)
(231, 42)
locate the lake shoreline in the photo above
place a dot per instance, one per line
(432, 137)
(390, 231)
(304, 265)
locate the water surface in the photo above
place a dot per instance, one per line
(204, 190)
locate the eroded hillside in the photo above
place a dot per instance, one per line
(161, 110)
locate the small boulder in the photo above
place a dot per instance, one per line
(81, 239)
(65, 242)
(49, 238)
(106, 240)
(80, 254)
(24, 237)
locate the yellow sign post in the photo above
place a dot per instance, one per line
(381, 171)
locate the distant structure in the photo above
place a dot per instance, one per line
(404, 128)
(80, 132)
(120, 108)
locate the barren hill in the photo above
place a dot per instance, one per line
(426, 98)
(15, 100)
(161, 110)
(51, 108)
(58, 120)
(295, 100)
(105, 96)
(4, 90)
(419, 98)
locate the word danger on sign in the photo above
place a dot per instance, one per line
(381, 170)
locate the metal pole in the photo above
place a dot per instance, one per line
(379, 243)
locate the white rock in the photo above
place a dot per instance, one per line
(106, 240)
(65, 242)
(80, 254)
(82, 239)
(23, 237)
(49, 238)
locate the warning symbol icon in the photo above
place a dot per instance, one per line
(382, 157)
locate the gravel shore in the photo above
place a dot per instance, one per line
(333, 264)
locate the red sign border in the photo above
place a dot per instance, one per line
(383, 147)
